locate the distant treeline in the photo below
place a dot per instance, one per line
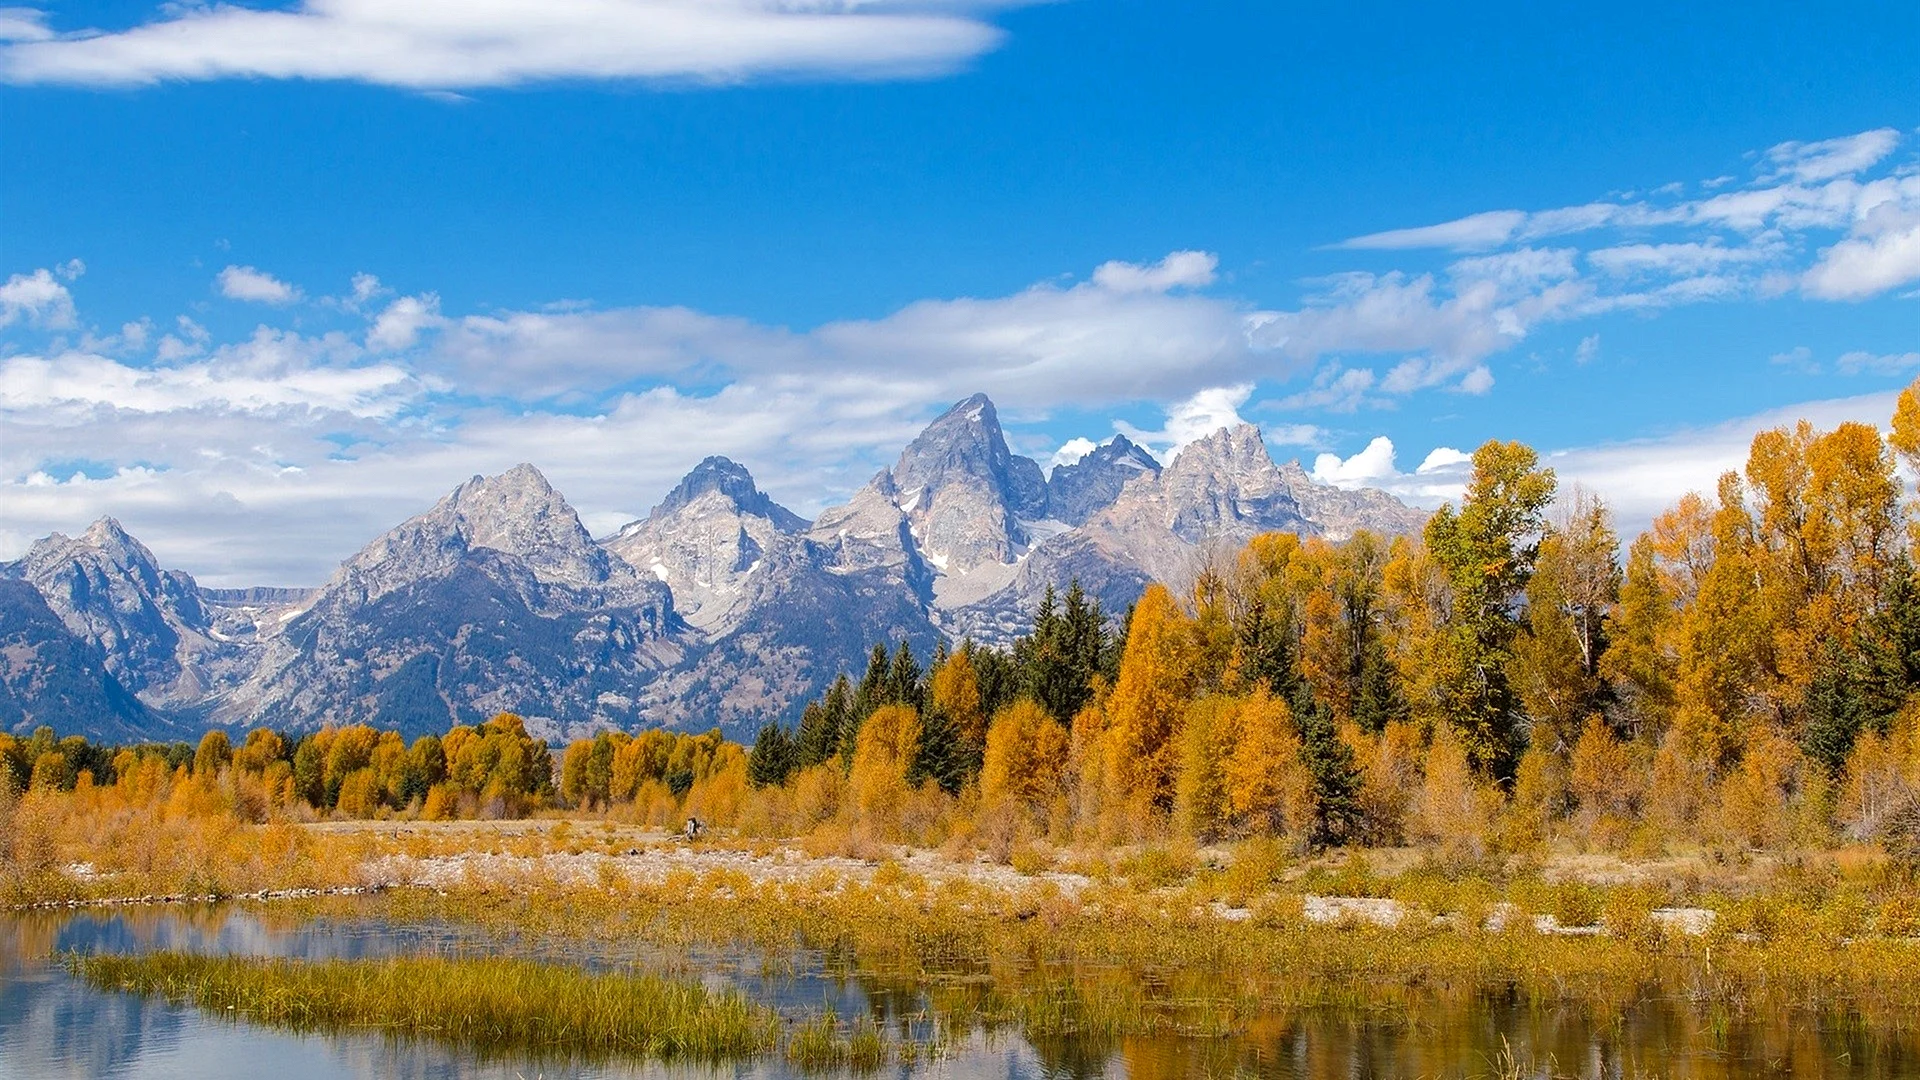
(358, 771)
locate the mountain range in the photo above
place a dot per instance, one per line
(721, 607)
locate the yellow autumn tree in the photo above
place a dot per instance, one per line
(955, 694)
(1207, 735)
(1026, 761)
(1143, 713)
(1269, 789)
(877, 781)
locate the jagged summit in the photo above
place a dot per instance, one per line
(731, 480)
(1077, 491)
(965, 493)
(516, 513)
(719, 607)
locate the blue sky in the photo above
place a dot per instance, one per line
(276, 277)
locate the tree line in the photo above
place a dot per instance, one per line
(1743, 672)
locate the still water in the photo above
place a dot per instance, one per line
(54, 1026)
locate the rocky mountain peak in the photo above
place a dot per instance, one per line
(1077, 491)
(110, 592)
(516, 513)
(964, 492)
(732, 482)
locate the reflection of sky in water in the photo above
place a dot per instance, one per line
(54, 1027)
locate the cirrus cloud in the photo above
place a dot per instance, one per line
(440, 45)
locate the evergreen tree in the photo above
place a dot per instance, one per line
(1266, 644)
(1836, 709)
(1380, 701)
(771, 760)
(1336, 778)
(941, 755)
(1487, 549)
(903, 686)
(1890, 649)
(996, 673)
(819, 736)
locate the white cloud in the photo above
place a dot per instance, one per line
(366, 287)
(456, 44)
(1856, 362)
(1195, 418)
(1072, 451)
(1522, 270)
(1641, 478)
(23, 24)
(1181, 269)
(1475, 232)
(1812, 162)
(38, 299)
(1670, 260)
(255, 286)
(399, 326)
(1588, 350)
(1882, 253)
(1441, 476)
(1798, 189)
(268, 373)
(1335, 388)
(1478, 381)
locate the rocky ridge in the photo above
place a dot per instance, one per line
(720, 607)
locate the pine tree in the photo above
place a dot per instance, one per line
(903, 686)
(1836, 711)
(771, 760)
(819, 736)
(1336, 778)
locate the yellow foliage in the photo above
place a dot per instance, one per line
(1026, 759)
(884, 752)
(1143, 713)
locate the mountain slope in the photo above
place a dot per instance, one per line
(50, 676)
(496, 599)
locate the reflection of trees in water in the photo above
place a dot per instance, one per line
(50, 1024)
(1481, 1037)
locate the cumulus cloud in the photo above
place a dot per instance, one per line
(399, 326)
(254, 286)
(1882, 253)
(1181, 269)
(1440, 476)
(38, 300)
(453, 45)
(1071, 452)
(1192, 419)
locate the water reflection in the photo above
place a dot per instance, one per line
(54, 1026)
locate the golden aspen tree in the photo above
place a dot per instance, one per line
(1269, 789)
(1415, 599)
(1026, 759)
(1639, 662)
(1207, 732)
(1549, 667)
(1604, 786)
(955, 693)
(1144, 710)
(882, 755)
(1088, 746)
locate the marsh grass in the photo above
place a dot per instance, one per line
(487, 1005)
